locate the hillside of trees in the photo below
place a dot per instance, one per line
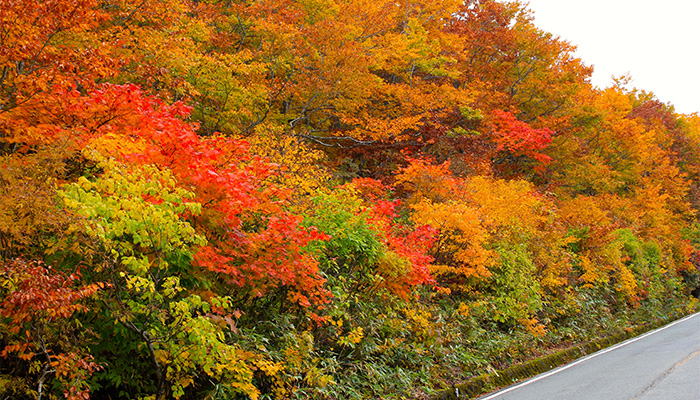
(327, 199)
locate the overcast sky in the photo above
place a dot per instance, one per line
(656, 42)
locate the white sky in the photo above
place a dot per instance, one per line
(655, 41)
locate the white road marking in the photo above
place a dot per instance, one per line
(601, 352)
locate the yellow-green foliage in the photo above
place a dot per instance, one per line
(177, 221)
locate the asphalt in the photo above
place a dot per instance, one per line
(660, 365)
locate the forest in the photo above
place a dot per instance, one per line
(321, 199)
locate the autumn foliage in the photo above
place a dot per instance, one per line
(319, 198)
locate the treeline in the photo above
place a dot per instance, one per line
(332, 199)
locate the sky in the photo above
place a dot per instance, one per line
(656, 42)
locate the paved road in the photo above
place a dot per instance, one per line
(661, 365)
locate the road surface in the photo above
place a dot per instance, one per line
(660, 365)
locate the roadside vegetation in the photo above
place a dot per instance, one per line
(328, 199)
